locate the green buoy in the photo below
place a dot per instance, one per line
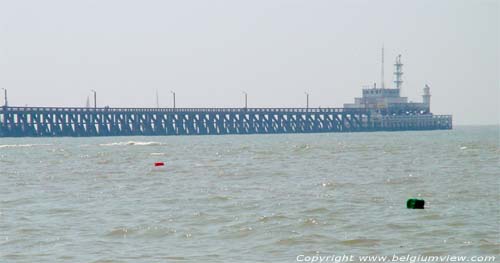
(413, 203)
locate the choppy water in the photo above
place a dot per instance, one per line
(255, 198)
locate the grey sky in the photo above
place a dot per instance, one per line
(53, 52)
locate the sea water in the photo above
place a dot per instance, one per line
(249, 198)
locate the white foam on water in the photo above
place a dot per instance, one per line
(131, 143)
(22, 145)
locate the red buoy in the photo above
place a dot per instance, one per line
(159, 164)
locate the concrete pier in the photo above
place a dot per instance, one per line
(58, 121)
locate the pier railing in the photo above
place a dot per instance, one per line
(248, 110)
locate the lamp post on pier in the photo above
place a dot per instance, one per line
(173, 96)
(157, 100)
(95, 98)
(246, 99)
(6, 103)
(307, 100)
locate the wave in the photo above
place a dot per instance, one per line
(22, 145)
(120, 232)
(131, 143)
(361, 242)
(272, 217)
(157, 154)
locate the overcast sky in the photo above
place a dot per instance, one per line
(52, 53)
